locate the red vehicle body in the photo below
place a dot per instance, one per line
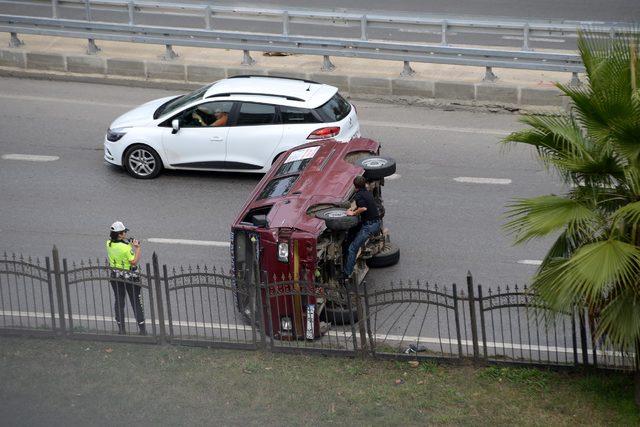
(277, 234)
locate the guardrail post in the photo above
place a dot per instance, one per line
(14, 41)
(59, 296)
(247, 60)
(87, 10)
(489, 76)
(54, 9)
(207, 16)
(285, 24)
(92, 47)
(525, 37)
(327, 65)
(132, 10)
(575, 80)
(472, 316)
(169, 53)
(407, 71)
(363, 27)
(445, 24)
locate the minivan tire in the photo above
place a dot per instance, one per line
(142, 153)
(376, 167)
(390, 255)
(336, 219)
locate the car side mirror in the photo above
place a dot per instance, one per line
(175, 124)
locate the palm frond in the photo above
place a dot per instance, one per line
(619, 322)
(540, 216)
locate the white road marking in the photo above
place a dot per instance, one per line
(334, 333)
(530, 262)
(474, 180)
(189, 242)
(498, 132)
(392, 177)
(30, 157)
(58, 100)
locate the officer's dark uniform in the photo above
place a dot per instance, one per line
(370, 225)
(124, 281)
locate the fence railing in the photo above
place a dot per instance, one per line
(471, 42)
(205, 306)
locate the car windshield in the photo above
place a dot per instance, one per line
(278, 187)
(297, 160)
(181, 101)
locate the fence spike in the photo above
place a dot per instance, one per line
(205, 269)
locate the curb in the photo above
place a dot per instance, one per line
(187, 76)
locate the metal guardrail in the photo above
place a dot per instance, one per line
(278, 35)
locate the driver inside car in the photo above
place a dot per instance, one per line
(203, 116)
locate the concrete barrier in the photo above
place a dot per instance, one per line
(180, 75)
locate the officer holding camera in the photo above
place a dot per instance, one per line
(124, 255)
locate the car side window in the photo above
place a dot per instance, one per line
(251, 114)
(208, 114)
(293, 115)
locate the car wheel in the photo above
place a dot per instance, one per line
(336, 219)
(390, 255)
(142, 162)
(338, 315)
(378, 167)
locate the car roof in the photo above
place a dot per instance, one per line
(272, 89)
(327, 179)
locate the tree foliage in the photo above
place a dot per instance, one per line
(595, 149)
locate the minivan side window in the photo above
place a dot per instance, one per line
(293, 115)
(251, 114)
(335, 109)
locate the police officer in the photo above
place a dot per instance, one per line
(124, 256)
(368, 210)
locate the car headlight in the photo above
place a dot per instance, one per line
(283, 252)
(115, 135)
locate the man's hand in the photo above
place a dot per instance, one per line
(135, 243)
(198, 118)
(350, 212)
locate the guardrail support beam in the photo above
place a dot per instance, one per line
(525, 38)
(575, 80)
(14, 41)
(207, 17)
(247, 60)
(92, 47)
(169, 53)
(327, 65)
(489, 76)
(54, 9)
(285, 24)
(407, 71)
(132, 10)
(363, 27)
(443, 42)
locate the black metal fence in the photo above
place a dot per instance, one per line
(208, 307)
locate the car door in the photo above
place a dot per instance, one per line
(201, 141)
(253, 138)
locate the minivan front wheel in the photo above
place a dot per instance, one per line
(142, 162)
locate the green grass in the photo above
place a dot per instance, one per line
(58, 382)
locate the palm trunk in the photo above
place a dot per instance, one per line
(636, 375)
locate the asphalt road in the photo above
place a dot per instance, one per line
(444, 227)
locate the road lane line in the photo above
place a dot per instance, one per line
(475, 180)
(189, 242)
(332, 333)
(71, 101)
(498, 132)
(30, 157)
(530, 262)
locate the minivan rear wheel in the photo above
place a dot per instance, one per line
(336, 219)
(142, 162)
(376, 167)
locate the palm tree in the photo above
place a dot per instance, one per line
(595, 150)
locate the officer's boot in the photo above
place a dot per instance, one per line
(143, 328)
(121, 329)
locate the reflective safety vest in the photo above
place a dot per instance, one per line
(120, 254)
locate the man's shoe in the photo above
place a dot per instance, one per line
(143, 329)
(122, 330)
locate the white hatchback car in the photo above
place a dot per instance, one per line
(239, 124)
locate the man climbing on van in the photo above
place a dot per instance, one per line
(370, 220)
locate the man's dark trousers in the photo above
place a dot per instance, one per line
(120, 287)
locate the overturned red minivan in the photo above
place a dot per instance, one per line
(294, 228)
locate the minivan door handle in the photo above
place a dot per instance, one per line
(215, 139)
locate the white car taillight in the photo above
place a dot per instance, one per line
(323, 133)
